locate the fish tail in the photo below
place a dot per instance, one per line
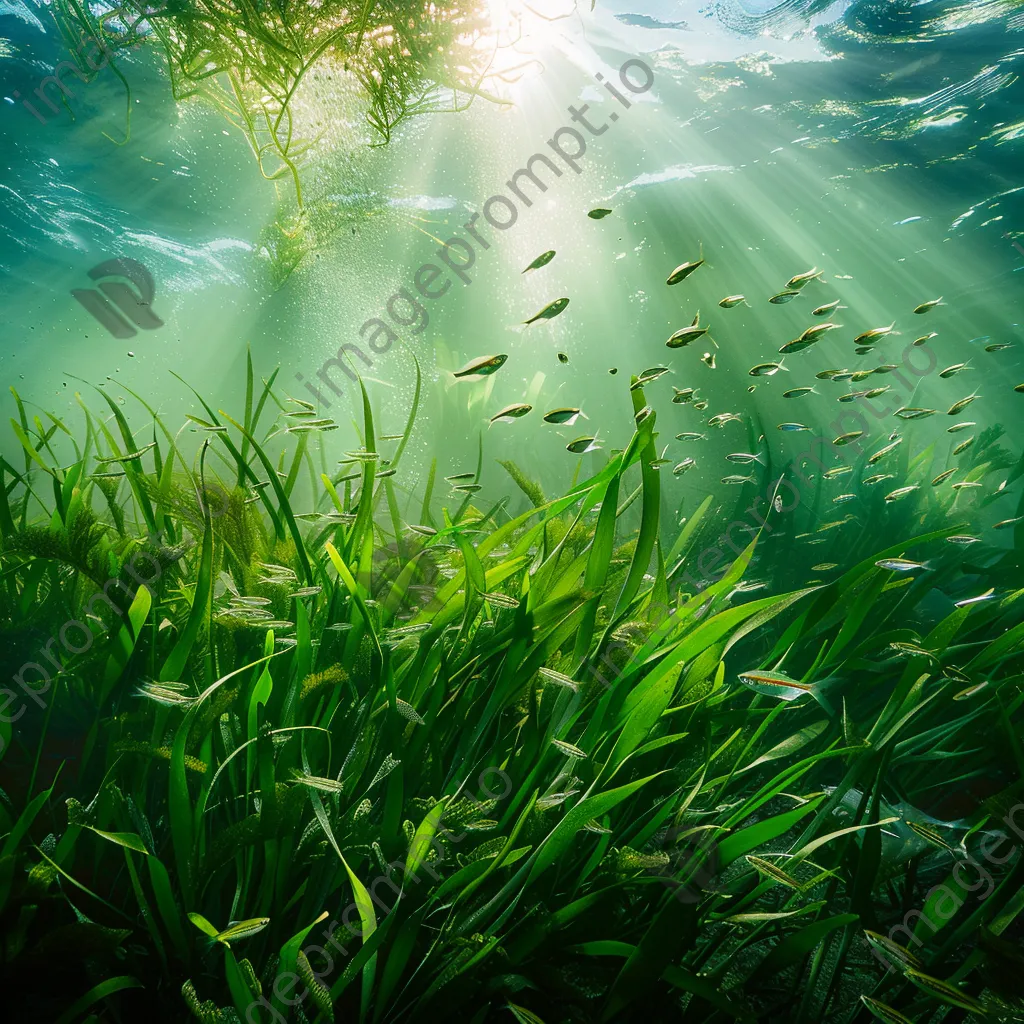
(825, 703)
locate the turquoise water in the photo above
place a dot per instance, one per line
(879, 142)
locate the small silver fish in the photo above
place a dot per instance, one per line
(685, 335)
(945, 475)
(852, 396)
(797, 345)
(874, 334)
(735, 478)
(885, 368)
(653, 372)
(963, 446)
(878, 478)
(683, 271)
(511, 412)
(876, 392)
(930, 304)
(800, 280)
(482, 367)
(774, 684)
(787, 427)
(900, 564)
(744, 458)
(733, 300)
(690, 435)
(842, 499)
(831, 474)
(1007, 523)
(817, 330)
(542, 260)
(798, 392)
(843, 439)
(722, 418)
(882, 452)
(242, 929)
(129, 457)
(999, 347)
(925, 338)
(783, 297)
(683, 395)
(829, 307)
(683, 466)
(962, 404)
(421, 530)
(767, 369)
(900, 492)
(549, 312)
(566, 416)
(582, 445)
(914, 413)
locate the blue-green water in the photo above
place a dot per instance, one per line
(878, 141)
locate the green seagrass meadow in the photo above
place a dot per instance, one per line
(502, 756)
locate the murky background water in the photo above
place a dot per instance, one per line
(879, 141)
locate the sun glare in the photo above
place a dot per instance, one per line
(523, 34)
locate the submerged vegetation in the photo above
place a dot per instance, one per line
(304, 84)
(287, 741)
(251, 60)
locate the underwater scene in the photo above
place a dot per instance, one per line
(512, 511)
